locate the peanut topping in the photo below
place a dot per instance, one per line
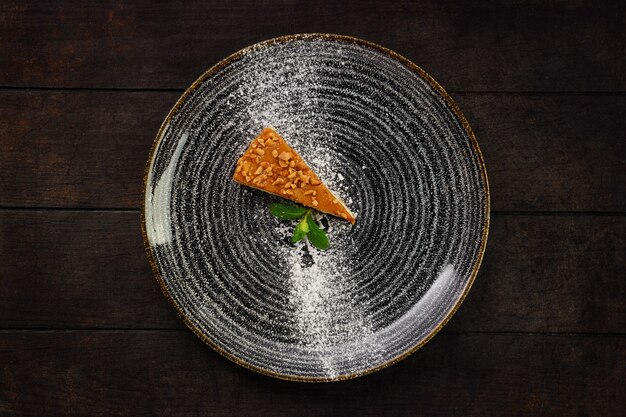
(285, 156)
(259, 179)
(271, 165)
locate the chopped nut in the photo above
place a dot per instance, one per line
(275, 153)
(283, 163)
(305, 179)
(287, 185)
(308, 192)
(292, 163)
(293, 185)
(315, 203)
(238, 169)
(258, 170)
(292, 175)
(335, 201)
(265, 164)
(269, 142)
(259, 151)
(246, 166)
(288, 192)
(261, 142)
(259, 179)
(285, 156)
(301, 165)
(315, 181)
(278, 180)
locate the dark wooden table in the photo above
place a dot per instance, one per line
(84, 329)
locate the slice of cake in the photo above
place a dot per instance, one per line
(271, 165)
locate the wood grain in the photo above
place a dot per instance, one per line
(78, 269)
(77, 149)
(83, 90)
(67, 269)
(88, 149)
(172, 373)
(467, 46)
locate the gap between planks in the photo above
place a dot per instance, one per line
(182, 90)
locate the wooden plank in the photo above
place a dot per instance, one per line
(469, 46)
(77, 149)
(88, 149)
(549, 274)
(172, 373)
(78, 269)
(66, 269)
(553, 153)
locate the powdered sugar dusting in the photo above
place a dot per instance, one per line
(383, 141)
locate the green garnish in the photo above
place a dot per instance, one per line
(306, 227)
(301, 230)
(317, 236)
(287, 211)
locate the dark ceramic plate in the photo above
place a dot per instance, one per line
(387, 139)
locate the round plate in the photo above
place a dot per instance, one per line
(385, 137)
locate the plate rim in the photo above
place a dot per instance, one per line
(336, 38)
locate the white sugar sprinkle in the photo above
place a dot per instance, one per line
(327, 318)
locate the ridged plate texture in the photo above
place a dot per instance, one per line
(383, 136)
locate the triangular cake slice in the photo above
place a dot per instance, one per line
(271, 165)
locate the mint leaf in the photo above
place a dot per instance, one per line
(301, 230)
(287, 211)
(317, 236)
